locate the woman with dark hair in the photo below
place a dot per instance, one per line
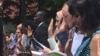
(28, 29)
(86, 14)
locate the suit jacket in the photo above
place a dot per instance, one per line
(41, 34)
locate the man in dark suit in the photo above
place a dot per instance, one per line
(41, 33)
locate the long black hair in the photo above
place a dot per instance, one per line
(89, 10)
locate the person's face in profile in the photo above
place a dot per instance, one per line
(59, 18)
(77, 20)
(67, 16)
(38, 17)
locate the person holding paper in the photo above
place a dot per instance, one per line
(41, 32)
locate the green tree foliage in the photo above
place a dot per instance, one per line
(55, 4)
(52, 5)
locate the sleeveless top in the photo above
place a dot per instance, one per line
(84, 49)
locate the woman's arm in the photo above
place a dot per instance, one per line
(95, 45)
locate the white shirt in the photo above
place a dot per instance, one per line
(53, 44)
(77, 40)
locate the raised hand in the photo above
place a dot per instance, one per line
(50, 28)
(69, 44)
(61, 27)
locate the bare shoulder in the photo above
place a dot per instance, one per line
(95, 45)
(96, 37)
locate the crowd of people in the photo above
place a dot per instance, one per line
(74, 30)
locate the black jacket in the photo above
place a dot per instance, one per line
(41, 34)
